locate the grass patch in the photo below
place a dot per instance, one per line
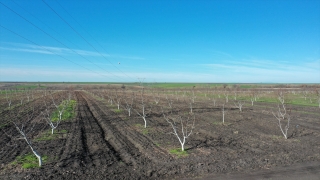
(117, 110)
(3, 125)
(28, 86)
(47, 136)
(29, 161)
(68, 112)
(217, 123)
(180, 85)
(112, 106)
(63, 131)
(276, 137)
(142, 129)
(178, 152)
(289, 99)
(275, 108)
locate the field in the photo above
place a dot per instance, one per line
(97, 139)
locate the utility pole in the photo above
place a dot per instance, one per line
(141, 80)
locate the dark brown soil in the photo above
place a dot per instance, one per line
(104, 144)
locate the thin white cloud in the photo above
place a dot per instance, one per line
(267, 64)
(20, 47)
(51, 50)
(26, 50)
(41, 74)
(258, 71)
(254, 75)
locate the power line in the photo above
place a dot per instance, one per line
(90, 36)
(55, 39)
(48, 49)
(80, 35)
(45, 24)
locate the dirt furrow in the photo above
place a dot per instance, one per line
(94, 143)
(118, 138)
(74, 153)
(95, 150)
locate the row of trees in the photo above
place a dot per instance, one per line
(48, 107)
(142, 101)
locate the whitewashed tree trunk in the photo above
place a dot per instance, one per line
(29, 143)
(286, 128)
(34, 151)
(143, 115)
(128, 106)
(47, 118)
(239, 105)
(9, 101)
(223, 112)
(282, 115)
(64, 104)
(156, 98)
(185, 132)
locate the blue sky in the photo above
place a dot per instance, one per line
(161, 41)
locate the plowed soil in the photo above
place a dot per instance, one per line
(102, 143)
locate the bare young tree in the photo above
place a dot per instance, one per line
(144, 113)
(128, 105)
(118, 100)
(110, 99)
(239, 104)
(47, 117)
(282, 115)
(191, 107)
(253, 98)
(226, 95)
(170, 102)
(177, 94)
(60, 107)
(305, 94)
(28, 94)
(223, 113)
(8, 98)
(235, 94)
(156, 97)
(193, 95)
(317, 92)
(213, 99)
(186, 128)
(20, 125)
(21, 100)
(280, 96)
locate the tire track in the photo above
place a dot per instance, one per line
(135, 149)
(87, 148)
(74, 153)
